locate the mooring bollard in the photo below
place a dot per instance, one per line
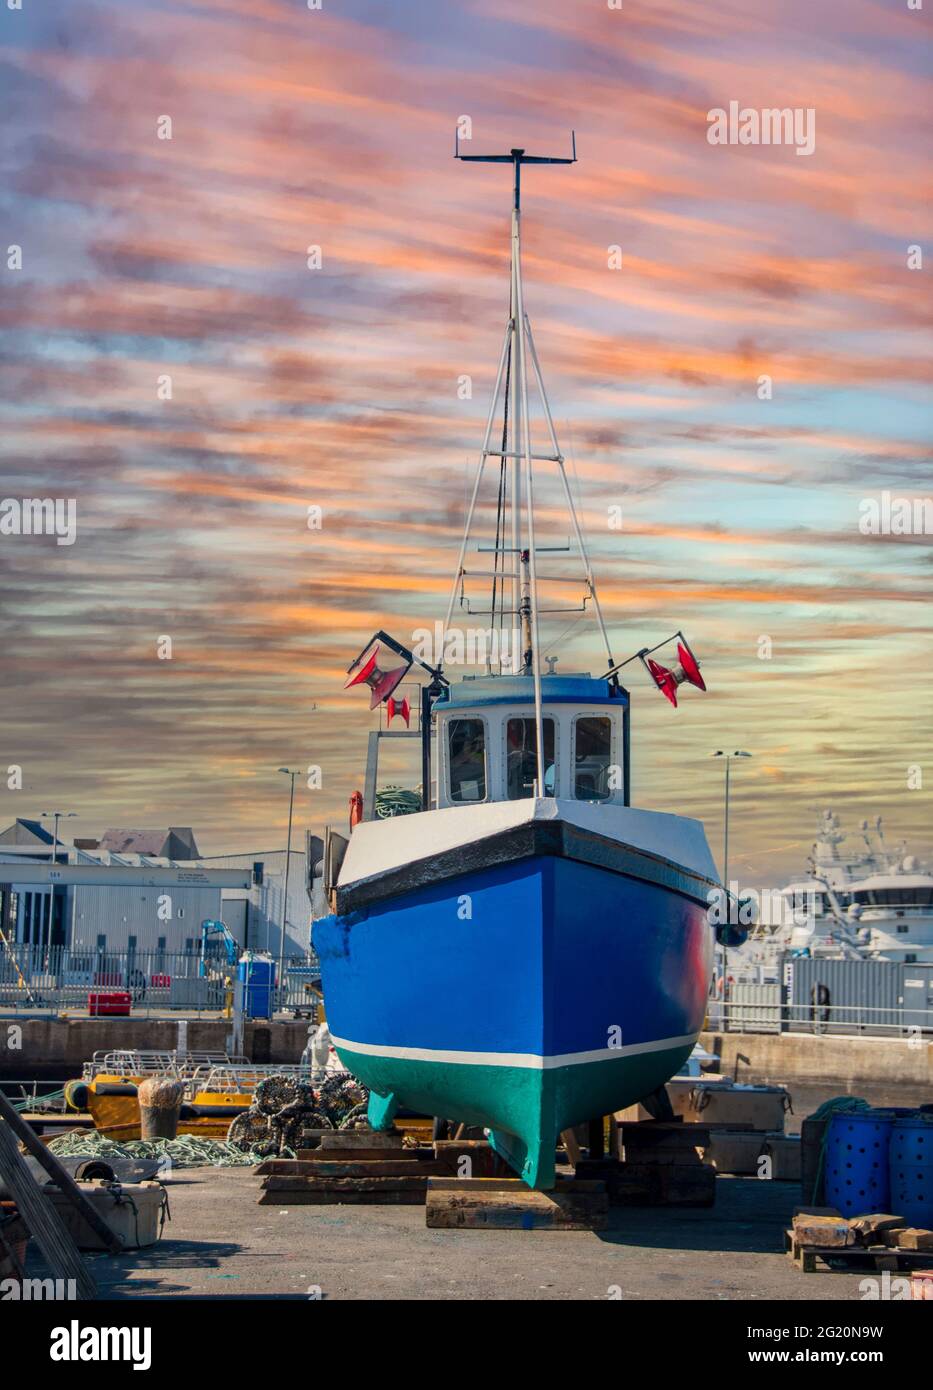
(160, 1101)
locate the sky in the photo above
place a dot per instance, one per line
(152, 264)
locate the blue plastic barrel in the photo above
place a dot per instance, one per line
(255, 981)
(911, 1159)
(855, 1164)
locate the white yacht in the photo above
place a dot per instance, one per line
(871, 903)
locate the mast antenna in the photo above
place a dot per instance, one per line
(519, 356)
(517, 158)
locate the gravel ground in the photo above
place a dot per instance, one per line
(221, 1244)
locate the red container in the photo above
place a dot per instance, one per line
(161, 981)
(114, 1004)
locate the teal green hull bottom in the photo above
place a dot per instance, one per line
(525, 1109)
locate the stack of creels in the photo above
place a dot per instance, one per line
(284, 1109)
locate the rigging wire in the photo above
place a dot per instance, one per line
(501, 504)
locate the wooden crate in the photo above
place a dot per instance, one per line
(784, 1151)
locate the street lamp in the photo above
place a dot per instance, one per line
(55, 816)
(288, 772)
(720, 753)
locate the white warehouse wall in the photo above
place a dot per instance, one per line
(119, 913)
(264, 915)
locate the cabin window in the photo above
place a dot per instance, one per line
(522, 757)
(592, 757)
(894, 897)
(466, 757)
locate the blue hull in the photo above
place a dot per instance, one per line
(527, 997)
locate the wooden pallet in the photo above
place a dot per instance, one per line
(349, 1166)
(859, 1256)
(506, 1204)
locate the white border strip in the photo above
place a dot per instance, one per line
(513, 1059)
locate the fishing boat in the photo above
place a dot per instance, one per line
(523, 950)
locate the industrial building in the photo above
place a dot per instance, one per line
(137, 915)
(255, 916)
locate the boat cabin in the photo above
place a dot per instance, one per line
(486, 748)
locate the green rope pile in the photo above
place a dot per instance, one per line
(396, 801)
(187, 1151)
(46, 1102)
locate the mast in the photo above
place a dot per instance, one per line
(517, 457)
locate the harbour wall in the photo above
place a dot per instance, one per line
(59, 1047)
(811, 1059)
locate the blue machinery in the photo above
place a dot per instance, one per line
(210, 927)
(253, 977)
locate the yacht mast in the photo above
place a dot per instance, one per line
(517, 458)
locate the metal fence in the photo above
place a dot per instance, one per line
(851, 997)
(34, 979)
(754, 1008)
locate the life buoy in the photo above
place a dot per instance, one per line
(356, 809)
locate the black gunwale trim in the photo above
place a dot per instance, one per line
(533, 839)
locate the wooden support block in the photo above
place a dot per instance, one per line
(662, 1155)
(350, 1139)
(344, 1184)
(281, 1167)
(333, 1199)
(484, 1162)
(596, 1137)
(663, 1141)
(870, 1229)
(654, 1184)
(634, 1114)
(663, 1134)
(572, 1145)
(507, 1204)
(908, 1238)
(377, 1168)
(823, 1231)
(363, 1167)
(355, 1155)
(360, 1139)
